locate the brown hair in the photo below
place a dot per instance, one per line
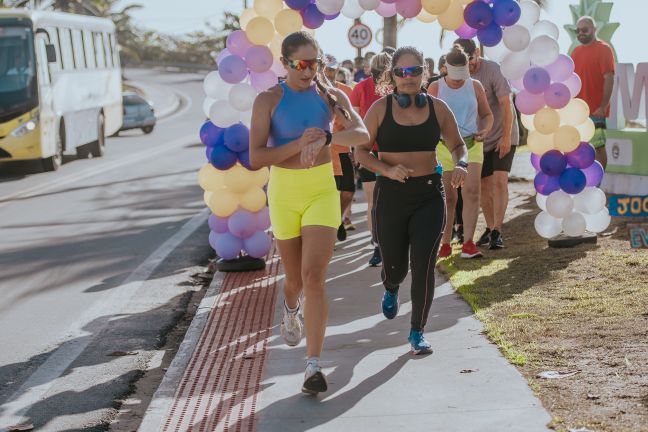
(457, 56)
(292, 43)
(387, 85)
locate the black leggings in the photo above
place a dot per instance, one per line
(410, 217)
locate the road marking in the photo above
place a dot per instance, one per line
(44, 378)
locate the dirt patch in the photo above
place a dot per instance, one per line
(580, 309)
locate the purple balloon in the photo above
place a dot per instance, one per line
(535, 161)
(553, 163)
(232, 69)
(222, 158)
(557, 96)
(259, 58)
(537, 80)
(238, 43)
(217, 224)
(583, 157)
(389, 1)
(491, 35)
(258, 245)
(237, 138)
(573, 181)
(244, 158)
(210, 134)
(466, 32)
(312, 16)
(242, 224)
(221, 55)
(529, 103)
(263, 81)
(263, 219)
(506, 12)
(228, 246)
(545, 184)
(562, 69)
(297, 4)
(478, 15)
(212, 239)
(331, 17)
(594, 174)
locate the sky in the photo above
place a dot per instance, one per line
(163, 15)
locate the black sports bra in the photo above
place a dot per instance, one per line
(394, 137)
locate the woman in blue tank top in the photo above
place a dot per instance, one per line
(291, 129)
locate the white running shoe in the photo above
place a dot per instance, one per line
(292, 327)
(314, 380)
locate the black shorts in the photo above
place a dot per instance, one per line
(366, 176)
(492, 162)
(345, 182)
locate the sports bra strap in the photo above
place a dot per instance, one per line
(388, 112)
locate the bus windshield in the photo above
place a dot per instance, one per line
(18, 89)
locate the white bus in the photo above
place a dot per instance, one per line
(60, 85)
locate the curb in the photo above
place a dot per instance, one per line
(156, 413)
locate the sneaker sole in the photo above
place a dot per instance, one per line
(496, 247)
(469, 256)
(421, 352)
(315, 384)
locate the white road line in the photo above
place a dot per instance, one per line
(40, 382)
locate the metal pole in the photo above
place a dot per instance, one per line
(390, 32)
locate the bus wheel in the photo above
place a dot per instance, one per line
(55, 161)
(97, 148)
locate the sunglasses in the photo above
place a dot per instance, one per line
(301, 65)
(582, 30)
(406, 72)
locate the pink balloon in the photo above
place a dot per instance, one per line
(518, 83)
(386, 9)
(408, 8)
(221, 55)
(561, 69)
(574, 84)
(263, 81)
(259, 58)
(529, 103)
(238, 43)
(466, 32)
(557, 96)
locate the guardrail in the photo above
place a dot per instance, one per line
(173, 67)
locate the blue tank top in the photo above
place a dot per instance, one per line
(296, 112)
(463, 104)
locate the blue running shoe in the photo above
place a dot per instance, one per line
(418, 343)
(390, 305)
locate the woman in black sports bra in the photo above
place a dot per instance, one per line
(409, 200)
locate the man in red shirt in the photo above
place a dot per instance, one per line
(595, 65)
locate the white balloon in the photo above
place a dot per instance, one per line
(369, 4)
(545, 27)
(242, 96)
(560, 204)
(598, 222)
(246, 118)
(544, 50)
(329, 7)
(590, 201)
(547, 226)
(541, 200)
(516, 64)
(223, 115)
(516, 38)
(207, 104)
(497, 53)
(574, 225)
(352, 9)
(214, 85)
(530, 13)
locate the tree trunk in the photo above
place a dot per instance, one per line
(390, 32)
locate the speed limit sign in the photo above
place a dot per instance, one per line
(360, 35)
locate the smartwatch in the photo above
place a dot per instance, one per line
(329, 137)
(462, 164)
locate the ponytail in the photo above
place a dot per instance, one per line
(324, 86)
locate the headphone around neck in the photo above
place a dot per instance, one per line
(405, 100)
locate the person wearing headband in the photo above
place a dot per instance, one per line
(409, 198)
(467, 101)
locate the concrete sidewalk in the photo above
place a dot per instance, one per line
(374, 382)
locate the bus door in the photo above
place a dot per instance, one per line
(50, 142)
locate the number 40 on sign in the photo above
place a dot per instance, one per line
(360, 35)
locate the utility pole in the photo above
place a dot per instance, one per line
(245, 4)
(390, 32)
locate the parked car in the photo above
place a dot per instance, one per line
(138, 113)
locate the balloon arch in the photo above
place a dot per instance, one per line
(526, 47)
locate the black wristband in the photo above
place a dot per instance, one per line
(329, 137)
(462, 164)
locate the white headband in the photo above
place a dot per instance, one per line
(458, 72)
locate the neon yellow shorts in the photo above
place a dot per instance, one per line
(302, 197)
(475, 154)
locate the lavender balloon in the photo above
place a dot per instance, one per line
(221, 55)
(466, 32)
(212, 239)
(297, 4)
(263, 81)
(557, 96)
(237, 138)
(217, 224)
(573, 181)
(491, 35)
(312, 16)
(574, 84)
(562, 69)
(545, 184)
(232, 69)
(222, 158)
(535, 161)
(478, 15)
(594, 174)
(210, 134)
(553, 163)
(332, 17)
(228, 246)
(242, 224)
(536, 80)
(258, 245)
(259, 58)
(583, 157)
(237, 43)
(263, 219)
(506, 12)
(386, 9)
(529, 103)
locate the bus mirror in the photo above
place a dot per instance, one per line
(51, 53)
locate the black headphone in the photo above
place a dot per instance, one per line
(405, 100)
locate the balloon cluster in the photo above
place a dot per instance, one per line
(487, 19)
(234, 193)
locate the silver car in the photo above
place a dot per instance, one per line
(138, 113)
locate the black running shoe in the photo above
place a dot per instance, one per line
(314, 380)
(376, 259)
(485, 238)
(460, 234)
(341, 234)
(496, 241)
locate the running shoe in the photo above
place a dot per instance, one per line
(292, 327)
(314, 380)
(496, 241)
(485, 238)
(469, 250)
(341, 233)
(376, 259)
(445, 251)
(348, 225)
(458, 234)
(418, 343)
(390, 304)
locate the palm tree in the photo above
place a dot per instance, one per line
(600, 11)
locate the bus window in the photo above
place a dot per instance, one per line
(79, 53)
(99, 50)
(113, 49)
(66, 48)
(89, 49)
(109, 60)
(53, 39)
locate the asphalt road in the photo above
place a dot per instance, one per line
(92, 263)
